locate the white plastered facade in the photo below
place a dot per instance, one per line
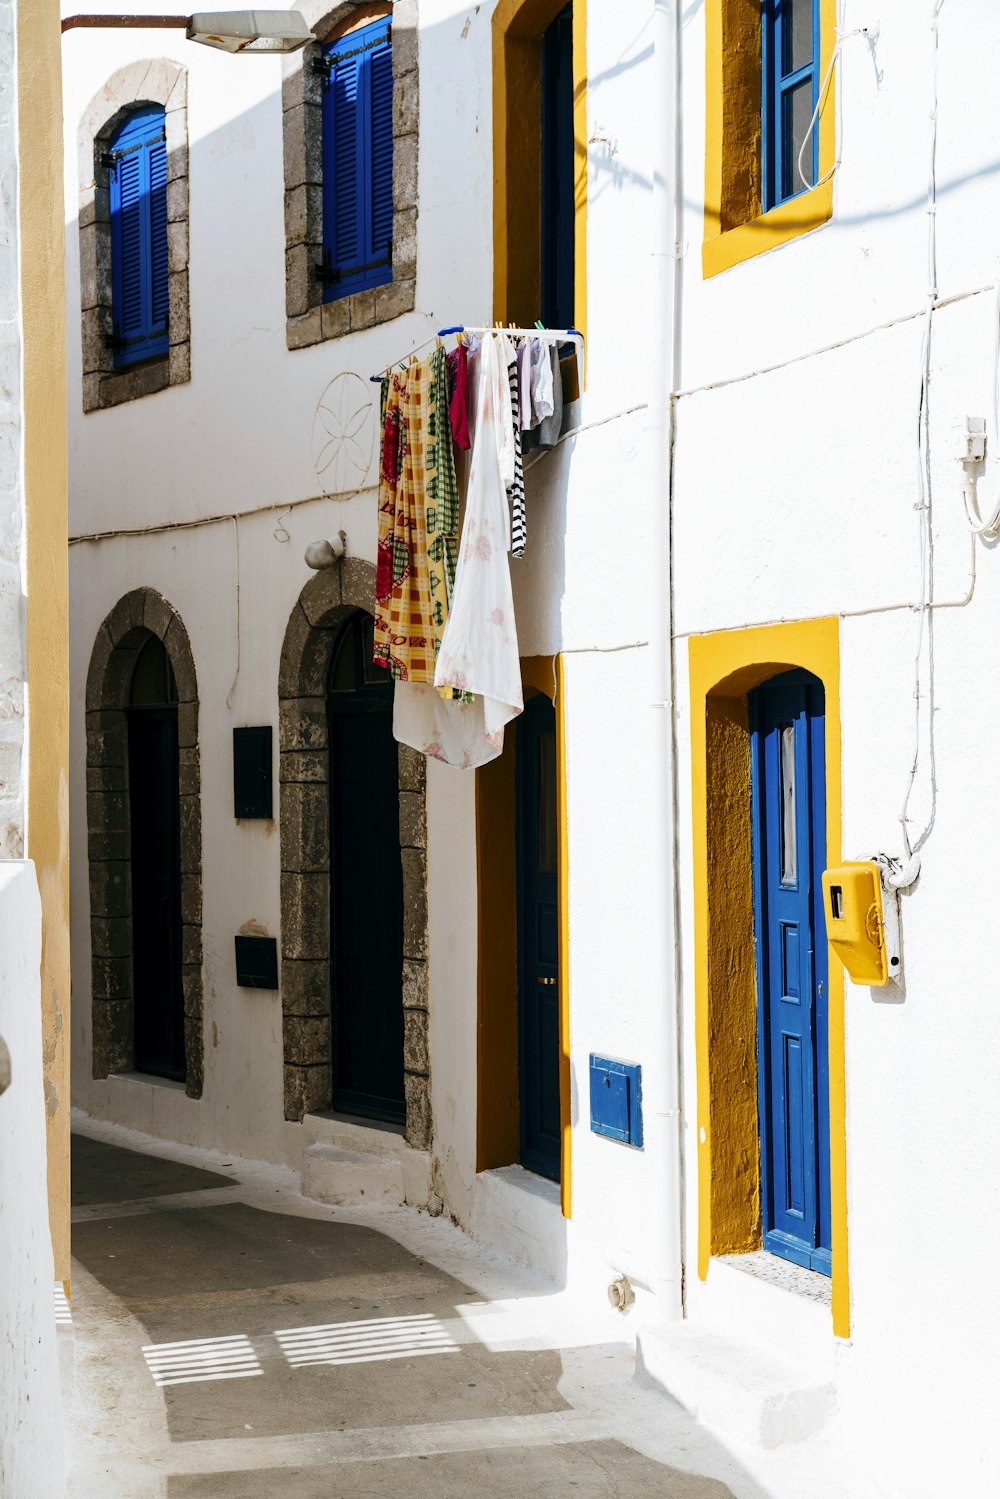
(794, 483)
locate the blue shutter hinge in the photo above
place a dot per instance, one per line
(324, 66)
(114, 340)
(109, 159)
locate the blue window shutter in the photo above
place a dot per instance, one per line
(159, 299)
(138, 193)
(380, 118)
(357, 161)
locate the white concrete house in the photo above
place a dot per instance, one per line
(756, 482)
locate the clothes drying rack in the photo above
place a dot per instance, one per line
(548, 335)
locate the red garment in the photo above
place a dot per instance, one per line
(458, 368)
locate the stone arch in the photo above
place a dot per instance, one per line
(156, 80)
(141, 613)
(324, 603)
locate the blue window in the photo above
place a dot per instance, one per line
(137, 164)
(357, 161)
(790, 54)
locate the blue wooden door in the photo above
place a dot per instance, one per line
(789, 825)
(538, 939)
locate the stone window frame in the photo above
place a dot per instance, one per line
(322, 608)
(141, 613)
(149, 81)
(310, 320)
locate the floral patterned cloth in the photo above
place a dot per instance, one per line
(405, 640)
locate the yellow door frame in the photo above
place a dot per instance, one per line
(724, 667)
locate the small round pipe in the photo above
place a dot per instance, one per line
(140, 23)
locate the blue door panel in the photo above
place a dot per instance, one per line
(789, 823)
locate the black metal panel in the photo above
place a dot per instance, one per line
(257, 962)
(252, 794)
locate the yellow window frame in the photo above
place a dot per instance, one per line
(735, 228)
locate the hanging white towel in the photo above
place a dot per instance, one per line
(479, 653)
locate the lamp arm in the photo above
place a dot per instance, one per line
(136, 22)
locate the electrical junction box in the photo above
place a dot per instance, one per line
(856, 922)
(252, 797)
(616, 1100)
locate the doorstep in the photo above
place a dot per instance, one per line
(520, 1215)
(744, 1392)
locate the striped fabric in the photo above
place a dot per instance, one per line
(519, 527)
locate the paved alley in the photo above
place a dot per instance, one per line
(235, 1341)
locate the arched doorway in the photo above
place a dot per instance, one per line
(144, 844)
(154, 826)
(337, 758)
(366, 881)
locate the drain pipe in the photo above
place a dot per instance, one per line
(666, 228)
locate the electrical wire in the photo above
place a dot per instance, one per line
(871, 36)
(988, 527)
(924, 506)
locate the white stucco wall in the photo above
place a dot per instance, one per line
(796, 482)
(795, 479)
(31, 1440)
(240, 437)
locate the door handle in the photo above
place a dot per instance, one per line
(548, 983)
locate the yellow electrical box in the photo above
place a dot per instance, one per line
(852, 900)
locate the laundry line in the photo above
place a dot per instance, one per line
(545, 335)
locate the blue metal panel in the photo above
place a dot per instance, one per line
(784, 75)
(357, 161)
(789, 854)
(137, 163)
(616, 1099)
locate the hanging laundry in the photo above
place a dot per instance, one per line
(547, 390)
(519, 525)
(479, 653)
(404, 608)
(458, 369)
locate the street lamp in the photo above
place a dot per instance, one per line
(228, 30)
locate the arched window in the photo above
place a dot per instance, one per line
(136, 160)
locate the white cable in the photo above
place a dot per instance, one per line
(977, 524)
(871, 35)
(923, 449)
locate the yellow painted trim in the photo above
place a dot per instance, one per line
(732, 141)
(43, 313)
(729, 664)
(517, 29)
(565, 1076)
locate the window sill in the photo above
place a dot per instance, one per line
(789, 221)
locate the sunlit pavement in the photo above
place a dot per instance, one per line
(235, 1341)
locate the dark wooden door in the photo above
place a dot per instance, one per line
(538, 938)
(154, 817)
(366, 883)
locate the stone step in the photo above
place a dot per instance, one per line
(351, 1178)
(741, 1391)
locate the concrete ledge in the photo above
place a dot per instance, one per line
(520, 1215)
(376, 1145)
(744, 1393)
(345, 1178)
